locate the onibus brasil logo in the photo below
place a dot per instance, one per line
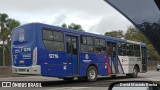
(21, 84)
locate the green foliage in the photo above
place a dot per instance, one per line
(118, 33)
(135, 35)
(64, 25)
(73, 26)
(12, 23)
(3, 17)
(6, 26)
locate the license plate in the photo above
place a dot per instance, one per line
(22, 70)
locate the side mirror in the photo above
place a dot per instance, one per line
(134, 85)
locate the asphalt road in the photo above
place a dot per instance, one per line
(102, 83)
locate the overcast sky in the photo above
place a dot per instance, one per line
(94, 16)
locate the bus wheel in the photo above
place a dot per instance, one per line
(91, 74)
(81, 78)
(135, 72)
(68, 79)
(113, 76)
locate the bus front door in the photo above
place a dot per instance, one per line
(144, 59)
(72, 54)
(112, 58)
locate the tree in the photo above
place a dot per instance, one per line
(135, 35)
(6, 25)
(64, 25)
(73, 26)
(11, 24)
(3, 20)
(118, 33)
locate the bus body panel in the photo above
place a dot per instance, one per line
(102, 65)
(97, 60)
(52, 62)
(24, 48)
(92, 59)
(128, 63)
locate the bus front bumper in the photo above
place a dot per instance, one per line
(36, 69)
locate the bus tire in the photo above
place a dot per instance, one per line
(81, 78)
(113, 76)
(68, 79)
(135, 72)
(91, 74)
(129, 75)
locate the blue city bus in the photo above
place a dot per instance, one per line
(64, 53)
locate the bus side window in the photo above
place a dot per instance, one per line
(47, 35)
(58, 36)
(122, 49)
(96, 45)
(87, 44)
(130, 51)
(83, 40)
(137, 50)
(99, 46)
(90, 41)
(102, 46)
(53, 40)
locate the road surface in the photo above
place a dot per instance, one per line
(102, 83)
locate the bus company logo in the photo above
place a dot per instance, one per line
(6, 84)
(21, 35)
(87, 61)
(86, 56)
(21, 61)
(123, 60)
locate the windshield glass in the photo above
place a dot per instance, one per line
(21, 36)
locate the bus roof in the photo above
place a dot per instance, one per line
(83, 33)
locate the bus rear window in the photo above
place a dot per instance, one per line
(21, 36)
